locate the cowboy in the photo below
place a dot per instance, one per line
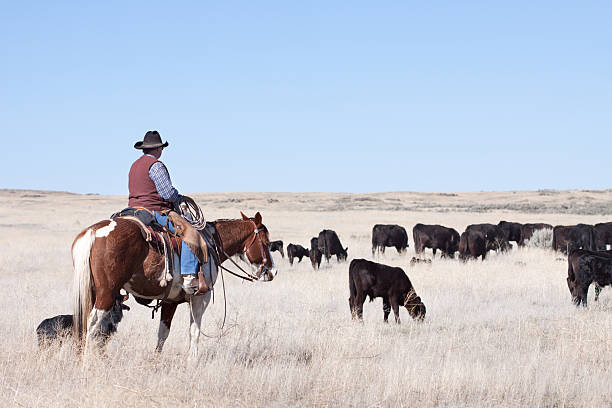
(150, 188)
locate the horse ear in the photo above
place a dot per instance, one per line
(244, 217)
(258, 218)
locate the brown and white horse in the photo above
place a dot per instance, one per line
(112, 254)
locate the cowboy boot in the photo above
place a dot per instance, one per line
(202, 286)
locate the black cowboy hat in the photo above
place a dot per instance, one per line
(152, 140)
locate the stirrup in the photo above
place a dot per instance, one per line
(202, 286)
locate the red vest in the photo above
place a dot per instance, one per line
(142, 189)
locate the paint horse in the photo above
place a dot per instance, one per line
(111, 255)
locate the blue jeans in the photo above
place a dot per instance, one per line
(189, 262)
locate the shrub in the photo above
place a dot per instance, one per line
(540, 239)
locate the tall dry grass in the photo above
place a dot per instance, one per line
(497, 333)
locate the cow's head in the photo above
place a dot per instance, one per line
(414, 305)
(453, 243)
(572, 285)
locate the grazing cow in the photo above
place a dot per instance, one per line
(585, 267)
(435, 237)
(473, 244)
(59, 328)
(527, 231)
(495, 238)
(277, 246)
(329, 244)
(511, 230)
(314, 254)
(296, 251)
(372, 279)
(603, 235)
(568, 238)
(389, 236)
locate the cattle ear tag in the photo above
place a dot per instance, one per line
(244, 217)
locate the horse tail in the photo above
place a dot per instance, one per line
(82, 291)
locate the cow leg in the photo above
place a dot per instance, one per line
(395, 307)
(597, 291)
(580, 295)
(353, 314)
(167, 313)
(198, 305)
(358, 305)
(386, 309)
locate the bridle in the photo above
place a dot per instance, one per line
(256, 231)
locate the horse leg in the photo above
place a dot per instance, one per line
(100, 324)
(597, 291)
(198, 305)
(165, 321)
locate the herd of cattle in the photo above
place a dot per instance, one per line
(589, 261)
(476, 241)
(325, 244)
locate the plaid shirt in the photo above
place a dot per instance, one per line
(163, 184)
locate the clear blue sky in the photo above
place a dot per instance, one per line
(352, 96)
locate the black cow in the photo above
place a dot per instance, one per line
(473, 244)
(603, 235)
(296, 251)
(389, 236)
(329, 244)
(314, 254)
(435, 237)
(372, 279)
(570, 237)
(527, 231)
(585, 267)
(59, 328)
(495, 239)
(511, 230)
(277, 246)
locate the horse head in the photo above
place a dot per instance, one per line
(257, 248)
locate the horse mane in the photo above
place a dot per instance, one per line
(262, 226)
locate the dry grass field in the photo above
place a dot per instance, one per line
(497, 333)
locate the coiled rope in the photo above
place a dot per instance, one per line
(191, 211)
